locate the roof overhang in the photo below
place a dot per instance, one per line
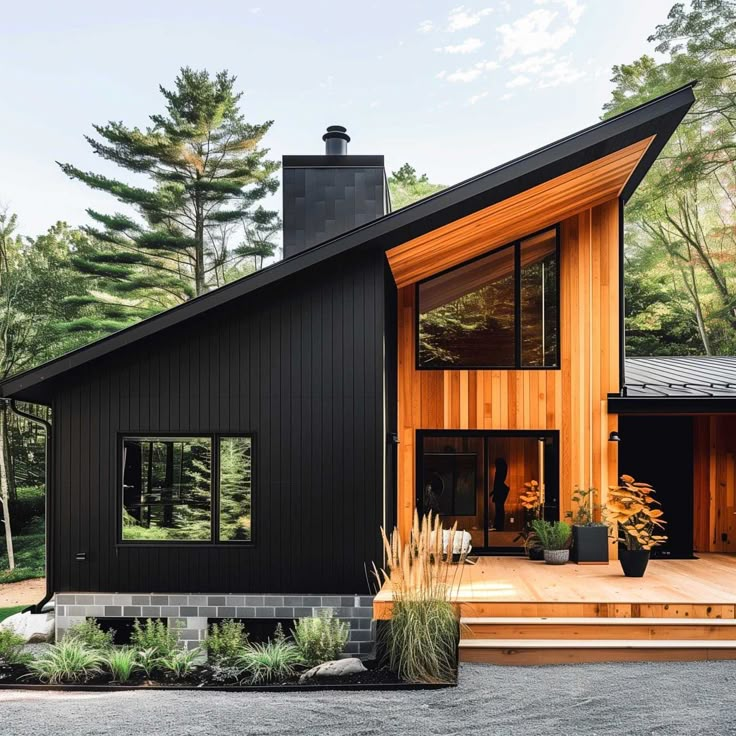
(623, 405)
(653, 121)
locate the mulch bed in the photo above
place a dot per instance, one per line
(374, 678)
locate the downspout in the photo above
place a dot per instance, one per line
(48, 503)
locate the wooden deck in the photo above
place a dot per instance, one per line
(515, 611)
(515, 586)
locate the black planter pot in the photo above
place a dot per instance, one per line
(633, 561)
(535, 553)
(589, 545)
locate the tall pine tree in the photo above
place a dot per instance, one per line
(199, 220)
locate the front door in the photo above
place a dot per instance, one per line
(476, 478)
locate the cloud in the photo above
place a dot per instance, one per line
(254, 11)
(425, 26)
(533, 64)
(506, 96)
(477, 98)
(466, 47)
(470, 73)
(520, 81)
(574, 8)
(533, 33)
(560, 72)
(461, 18)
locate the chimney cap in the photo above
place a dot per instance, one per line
(336, 131)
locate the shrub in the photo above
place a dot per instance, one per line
(225, 642)
(122, 663)
(552, 535)
(68, 661)
(11, 648)
(28, 504)
(321, 638)
(179, 662)
(156, 635)
(147, 660)
(422, 638)
(630, 508)
(277, 659)
(90, 633)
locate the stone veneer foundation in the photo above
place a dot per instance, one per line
(191, 611)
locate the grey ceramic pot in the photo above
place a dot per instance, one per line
(556, 556)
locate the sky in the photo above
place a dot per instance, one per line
(452, 89)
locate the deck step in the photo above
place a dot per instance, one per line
(610, 629)
(560, 651)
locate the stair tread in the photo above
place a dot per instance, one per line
(551, 620)
(597, 644)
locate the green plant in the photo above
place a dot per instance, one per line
(147, 660)
(122, 663)
(422, 638)
(11, 648)
(321, 638)
(179, 663)
(90, 633)
(630, 510)
(68, 661)
(277, 659)
(154, 634)
(225, 642)
(586, 509)
(552, 535)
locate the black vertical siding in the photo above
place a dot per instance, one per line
(300, 365)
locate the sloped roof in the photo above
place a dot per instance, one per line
(659, 117)
(671, 384)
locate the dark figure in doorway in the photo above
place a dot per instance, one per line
(500, 493)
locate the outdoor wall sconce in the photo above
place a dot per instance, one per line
(614, 437)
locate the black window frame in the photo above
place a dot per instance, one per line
(214, 540)
(517, 366)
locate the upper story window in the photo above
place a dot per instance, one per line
(187, 489)
(497, 311)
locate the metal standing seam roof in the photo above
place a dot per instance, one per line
(692, 376)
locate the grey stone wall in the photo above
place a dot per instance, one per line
(191, 611)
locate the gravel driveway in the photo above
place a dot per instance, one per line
(665, 699)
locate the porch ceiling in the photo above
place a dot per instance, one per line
(525, 213)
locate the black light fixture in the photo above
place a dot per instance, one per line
(614, 437)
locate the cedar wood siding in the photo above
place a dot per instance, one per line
(299, 364)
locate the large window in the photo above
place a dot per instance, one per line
(498, 311)
(173, 491)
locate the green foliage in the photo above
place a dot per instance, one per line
(681, 223)
(225, 642)
(321, 638)
(122, 663)
(156, 636)
(179, 663)
(552, 535)
(147, 660)
(28, 502)
(198, 220)
(11, 648)
(586, 508)
(406, 187)
(68, 661)
(30, 551)
(421, 639)
(90, 634)
(235, 488)
(275, 660)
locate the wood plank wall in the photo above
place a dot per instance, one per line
(714, 446)
(571, 400)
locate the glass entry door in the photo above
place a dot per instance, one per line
(476, 479)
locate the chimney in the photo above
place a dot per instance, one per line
(327, 195)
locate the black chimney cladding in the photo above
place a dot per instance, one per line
(325, 196)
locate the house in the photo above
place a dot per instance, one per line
(236, 455)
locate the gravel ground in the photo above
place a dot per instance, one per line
(666, 699)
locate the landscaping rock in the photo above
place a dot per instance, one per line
(336, 668)
(33, 627)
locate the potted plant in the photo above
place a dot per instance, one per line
(630, 509)
(554, 538)
(531, 502)
(589, 537)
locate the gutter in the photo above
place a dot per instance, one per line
(48, 505)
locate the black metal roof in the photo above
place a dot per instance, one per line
(683, 384)
(659, 117)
